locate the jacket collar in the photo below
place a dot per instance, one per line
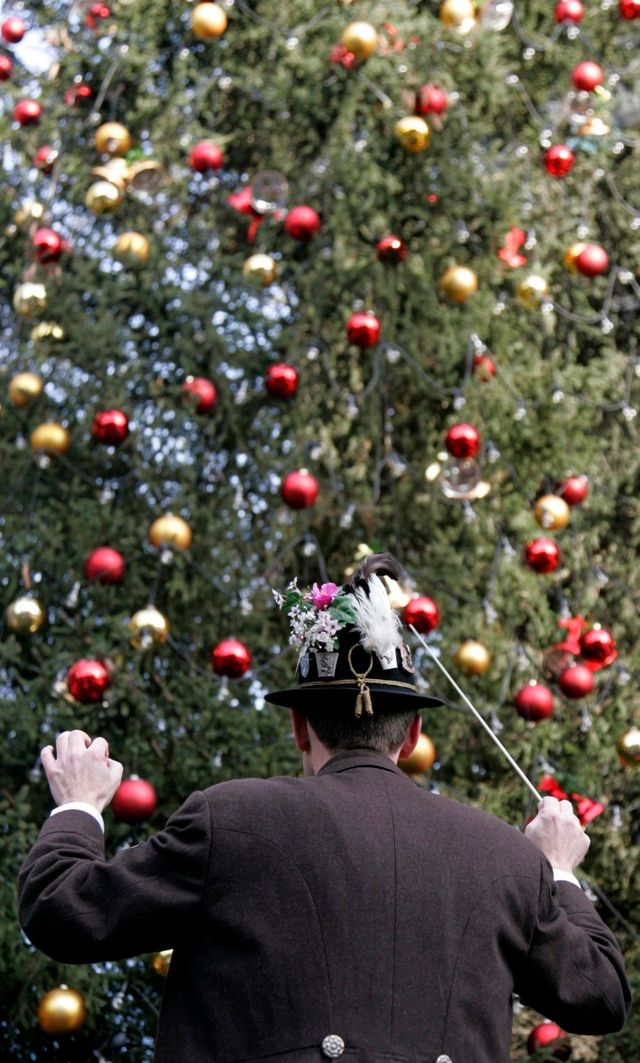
(359, 758)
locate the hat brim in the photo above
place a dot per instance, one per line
(397, 700)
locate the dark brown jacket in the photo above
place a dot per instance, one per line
(350, 903)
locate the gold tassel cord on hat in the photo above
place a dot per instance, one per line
(363, 697)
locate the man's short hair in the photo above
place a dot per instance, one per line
(384, 731)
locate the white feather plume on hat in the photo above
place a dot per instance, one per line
(379, 625)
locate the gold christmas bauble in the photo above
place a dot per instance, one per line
(160, 961)
(412, 133)
(532, 290)
(112, 138)
(132, 249)
(148, 628)
(551, 512)
(360, 38)
(571, 254)
(116, 171)
(459, 15)
(47, 330)
(25, 388)
(472, 657)
(25, 615)
(260, 269)
(147, 175)
(458, 283)
(29, 298)
(170, 530)
(61, 1010)
(422, 757)
(51, 437)
(103, 197)
(29, 213)
(628, 746)
(208, 20)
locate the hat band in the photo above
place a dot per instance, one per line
(354, 683)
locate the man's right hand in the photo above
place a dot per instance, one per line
(558, 834)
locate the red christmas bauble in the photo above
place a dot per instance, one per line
(559, 160)
(542, 555)
(202, 390)
(592, 260)
(27, 112)
(569, 11)
(363, 329)
(484, 367)
(430, 99)
(105, 565)
(231, 658)
(110, 427)
(544, 1036)
(576, 681)
(13, 30)
(6, 66)
(299, 489)
(281, 380)
(587, 76)
(206, 156)
(599, 645)
(391, 249)
(629, 9)
(534, 702)
(134, 800)
(302, 223)
(462, 440)
(96, 14)
(87, 680)
(574, 490)
(78, 95)
(422, 613)
(45, 158)
(48, 245)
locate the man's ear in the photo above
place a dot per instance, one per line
(301, 730)
(411, 740)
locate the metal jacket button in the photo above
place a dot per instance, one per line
(444, 1059)
(332, 1046)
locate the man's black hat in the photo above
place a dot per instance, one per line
(364, 664)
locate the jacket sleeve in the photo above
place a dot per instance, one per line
(78, 907)
(574, 971)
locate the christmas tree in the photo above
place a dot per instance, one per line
(284, 283)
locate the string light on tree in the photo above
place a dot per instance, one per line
(230, 658)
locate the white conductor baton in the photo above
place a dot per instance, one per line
(477, 715)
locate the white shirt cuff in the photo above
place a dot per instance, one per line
(81, 806)
(565, 876)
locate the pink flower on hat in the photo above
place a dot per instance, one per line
(322, 596)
